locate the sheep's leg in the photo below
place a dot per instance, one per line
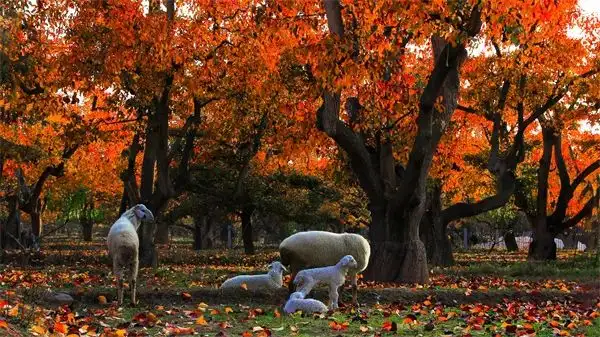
(333, 296)
(118, 271)
(134, 272)
(291, 287)
(307, 285)
(353, 280)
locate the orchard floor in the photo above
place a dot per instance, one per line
(484, 294)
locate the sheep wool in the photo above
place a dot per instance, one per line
(297, 302)
(123, 245)
(319, 248)
(272, 280)
(333, 276)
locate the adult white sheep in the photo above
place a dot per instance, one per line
(123, 245)
(333, 276)
(318, 249)
(306, 305)
(272, 280)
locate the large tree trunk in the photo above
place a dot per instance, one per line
(510, 241)
(199, 222)
(86, 230)
(36, 223)
(246, 216)
(543, 247)
(162, 233)
(433, 231)
(148, 254)
(11, 229)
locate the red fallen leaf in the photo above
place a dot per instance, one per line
(264, 333)
(60, 327)
(3, 303)
(276, 313)
(186, 296)
(3, 324)
(389, 326)
(247, 334)
(554, 324)
(410, 318)
(224, 325)
(337, 326)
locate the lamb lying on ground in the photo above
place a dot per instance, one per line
(319, 249)
(123, 246)
(308, 305)
(273, 279)
(333, 276)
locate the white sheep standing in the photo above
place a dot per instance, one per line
(272, 280)
(123, 245)
(319, 249)
(306, 305)
(334, 276)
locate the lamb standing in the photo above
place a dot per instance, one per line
(308, 305)
(272, 280)
(333, 276)
(319, 249)
(123, 246)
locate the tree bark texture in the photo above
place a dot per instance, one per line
(247, 236)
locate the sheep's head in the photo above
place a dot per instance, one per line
(277, 267)
(348, 261)
(143, 213)
(296, 295)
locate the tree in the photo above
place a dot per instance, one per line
(397, 207)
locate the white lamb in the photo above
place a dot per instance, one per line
(308, 305)
(333, 276)
(123, 246)
(319, 249)
(272, 280)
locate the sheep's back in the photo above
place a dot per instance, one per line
(320, 248)
(123, 242)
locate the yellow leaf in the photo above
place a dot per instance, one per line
(121, 333)
(38, 329)
(14, 311)
(244, 286)
(29, 107)
(201, 321)
(364, 328)
(228, 310)
(102, 299)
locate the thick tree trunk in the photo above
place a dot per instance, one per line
(433, 232)
(162, 233)
(86, 230)
(36, 223)
(246, 216)
(510, 241)
(11, 230)
(148, 255)
(543, 247)
(199, 222)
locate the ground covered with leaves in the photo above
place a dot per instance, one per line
(484, 294)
